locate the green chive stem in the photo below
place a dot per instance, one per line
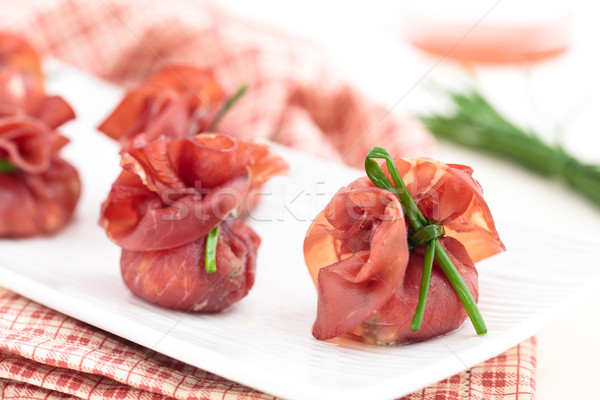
(424, 289)
(210, 259)
(7, 167)
(228, 104)
(211, 239)
(459, 286)
(417, 220)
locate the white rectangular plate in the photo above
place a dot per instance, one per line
(265, 340)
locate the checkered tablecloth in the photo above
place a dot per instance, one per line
(295, 98)
(47, 355)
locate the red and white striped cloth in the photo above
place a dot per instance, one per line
(294, 98)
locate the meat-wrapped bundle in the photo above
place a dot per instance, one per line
(22, 89)
(367, 271)
(38, 189)
(171, 194)
(178, 101)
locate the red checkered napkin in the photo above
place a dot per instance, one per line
(43, 352)
(293, 98)
(47, 355)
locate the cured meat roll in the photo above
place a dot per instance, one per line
(179, 101)
(38, 189)
(367, 276)
(22, 89)
(171, 194)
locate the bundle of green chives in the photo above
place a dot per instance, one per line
(477, 124)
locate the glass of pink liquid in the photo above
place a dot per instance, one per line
(489, 31)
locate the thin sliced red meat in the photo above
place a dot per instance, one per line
(40, 194)
(357, 273)
(176, 278)
(41, 203)
(174, 191)
(171, 193)
(367, 279)
(443, 311)
(29, 144)
(448, 193)
(18, 53)
(177, 102)
(22, 88)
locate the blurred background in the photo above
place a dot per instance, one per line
(537, 59)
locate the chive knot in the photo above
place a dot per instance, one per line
(420, 237)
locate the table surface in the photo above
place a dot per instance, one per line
(559, 97)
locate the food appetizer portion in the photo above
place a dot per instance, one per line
(22, 85)
(172, 211)
(392, 255)
(179, 101)
(38, 189)
(177, 209)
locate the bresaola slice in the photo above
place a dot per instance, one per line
(171, 194)
(40, 195)
(361, 242)
(448, 193)
(178, 101)
(174, 191)
(38, 189)
(443, 312)
(367, 278)
(22, 86)
(176, 278)
(28, 144)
